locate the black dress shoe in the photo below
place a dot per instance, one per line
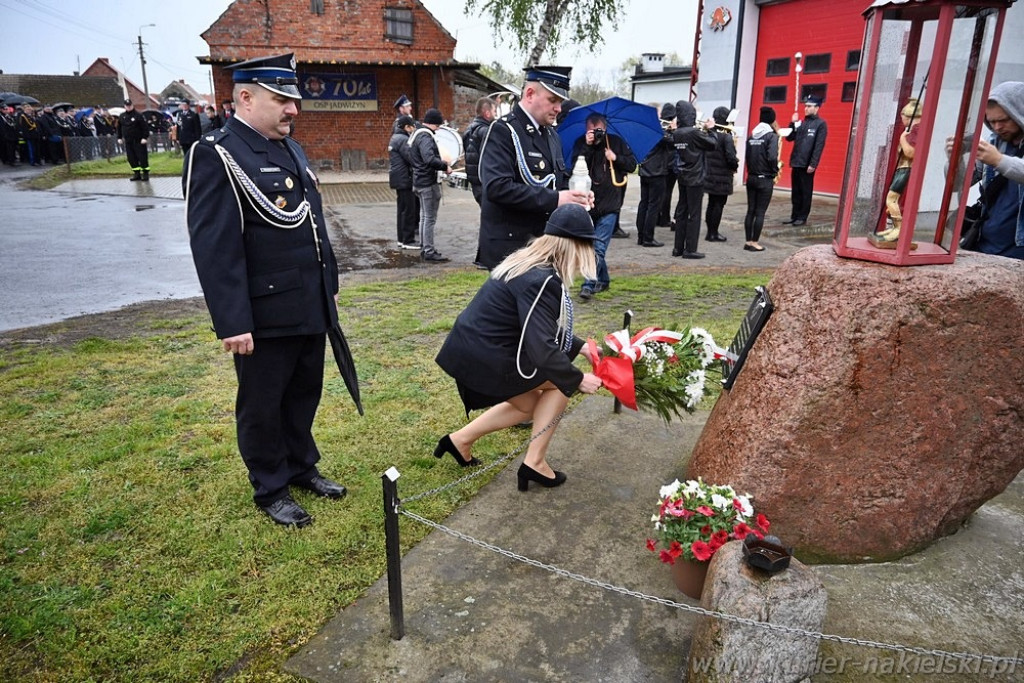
(619, 233)
(751, 247)
(652, 243)
(789, 222)
(717, 237)
(445, 445)
(286, 511)
(527, 474)
(676, 252)
(433, 257)
(692, 254)
(799, 223)
(323, 487)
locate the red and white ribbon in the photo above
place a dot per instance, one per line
(633, 349)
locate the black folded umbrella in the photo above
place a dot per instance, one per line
(346, 366)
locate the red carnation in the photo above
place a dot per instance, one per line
(702, 552)
(706, 511)
(763, 523)
(719, 538)
(741, 530)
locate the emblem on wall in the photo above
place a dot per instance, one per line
(719, 18)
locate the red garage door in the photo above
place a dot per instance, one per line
(828, 34)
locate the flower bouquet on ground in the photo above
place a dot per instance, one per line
(655, 369)
(695, 519)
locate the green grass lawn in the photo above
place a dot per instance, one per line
(160, 164)
(130, 549)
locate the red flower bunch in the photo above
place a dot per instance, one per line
(695, 519)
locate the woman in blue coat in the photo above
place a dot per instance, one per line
(511, 350)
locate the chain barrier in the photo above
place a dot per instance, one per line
(987, 659)
(768, 626)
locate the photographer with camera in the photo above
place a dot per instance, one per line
(609, 160)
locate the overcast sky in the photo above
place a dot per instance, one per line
(61, 37)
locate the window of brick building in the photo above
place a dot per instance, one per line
(317, 6)
(398, 25)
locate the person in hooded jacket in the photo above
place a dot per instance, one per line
(722, 164)
(400, 180)
(692, 142)
(668, 113)
(1002, 232)
(655, 176)
(762, 160)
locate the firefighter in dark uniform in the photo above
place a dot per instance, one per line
(260, 245)
(189, 126)
(521, 167)
(133, 132)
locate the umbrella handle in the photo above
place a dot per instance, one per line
(615, 181)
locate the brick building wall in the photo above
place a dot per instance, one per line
(347, 38)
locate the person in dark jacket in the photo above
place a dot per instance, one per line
(31, 135)
(762, 159)
(808, 140)
(190, 128)
(472, 139)
(511, 350)
(400, 180)
(8, 136)
(522, 168)
(609, 160)
(722, 164)
(426, 162)
(655, 177)
(133, 132)
(264, 259)
(692, 142)
(668, 113)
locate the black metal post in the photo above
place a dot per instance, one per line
(393, 552)
(627, 318)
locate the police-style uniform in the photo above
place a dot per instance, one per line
(521, 172)
(133, 129)
(260, 245)
(190, 128)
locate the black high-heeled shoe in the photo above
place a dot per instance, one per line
(445, 445)
(527, 474)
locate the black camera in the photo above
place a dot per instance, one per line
(598, 136)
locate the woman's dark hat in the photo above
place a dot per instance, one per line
(554, 78)
(767, 115)
(571, 220)
(276, 74)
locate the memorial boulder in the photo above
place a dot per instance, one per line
(879, 407)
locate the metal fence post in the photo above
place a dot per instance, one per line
(393, 552)
(627, 318)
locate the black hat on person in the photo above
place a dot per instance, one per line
(554, 78)
(406, 120)
(433, 117)
(767, 115)
(813, 99)
(276, 74)
(668, 111)
(567, 106)
(128, 100)
(402, 101)
(571, 220)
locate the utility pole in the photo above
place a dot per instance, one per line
(142, 60)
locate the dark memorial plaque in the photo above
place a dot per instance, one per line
(757, 315)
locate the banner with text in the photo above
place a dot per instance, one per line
(338, 92)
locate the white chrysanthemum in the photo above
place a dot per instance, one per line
(669, 489)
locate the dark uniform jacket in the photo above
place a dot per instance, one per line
(260, 272)
(131, 125)
(763, 152)
(481, 349)
(399, 163)
(659, 160)
(691, 143)
(722, 164)
(472, 139)
(425, 158)
(29, 127)
(514, 209)
(189, 128)
(808, 142)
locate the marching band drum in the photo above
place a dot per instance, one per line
(449, 145)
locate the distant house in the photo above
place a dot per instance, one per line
(179, 90)
(81, 91)
(354, 59)
(103, 67)
(653, 81)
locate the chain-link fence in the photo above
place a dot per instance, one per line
(90, 148)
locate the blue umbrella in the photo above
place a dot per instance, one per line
(636, 123)
(82, 113)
